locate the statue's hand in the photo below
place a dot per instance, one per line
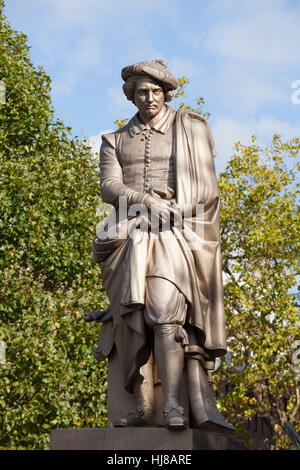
(89, 316)
(98, 316)
(162, 210)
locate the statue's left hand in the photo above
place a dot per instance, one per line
(163, 210)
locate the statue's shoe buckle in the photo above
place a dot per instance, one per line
(175, 420)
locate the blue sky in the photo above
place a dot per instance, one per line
(242, 56)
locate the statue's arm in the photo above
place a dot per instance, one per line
(111, 176)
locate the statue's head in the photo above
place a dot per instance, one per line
(149, 85)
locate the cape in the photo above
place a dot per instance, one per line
(196, 184)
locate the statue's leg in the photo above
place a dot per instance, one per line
(205, 414)
(143, 389)
(165, 311)
(169, 355)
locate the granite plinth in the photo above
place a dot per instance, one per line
(139, 438)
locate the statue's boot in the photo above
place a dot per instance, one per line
(143, 414)
(205, 413)
(169, 356)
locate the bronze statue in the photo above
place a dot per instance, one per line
(162, 268)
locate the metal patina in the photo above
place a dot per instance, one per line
(166, 314)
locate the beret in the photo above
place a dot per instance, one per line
(156, 69)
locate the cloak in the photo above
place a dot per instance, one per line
(125, 260)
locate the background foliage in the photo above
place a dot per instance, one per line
(49, 197)
(260, 246)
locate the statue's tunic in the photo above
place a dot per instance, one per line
(173, 161)
(146, 155)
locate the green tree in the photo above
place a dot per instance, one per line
(260, 246)
(49, 195)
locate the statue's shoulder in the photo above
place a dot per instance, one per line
(195, 118)
(198, 124)
(108, 138)
(111, 137)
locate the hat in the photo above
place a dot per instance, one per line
(154, 68)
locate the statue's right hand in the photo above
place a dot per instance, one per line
(150, 201)
(161, 209)
(89, 316)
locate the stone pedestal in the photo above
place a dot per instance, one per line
(138, 438)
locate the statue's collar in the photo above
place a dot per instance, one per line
(136, 126)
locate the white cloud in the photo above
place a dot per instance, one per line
(75, 58)
(181, 66)
(228, 130)
(244, 91)
(77, 38)
(118, 100)
(76, 13)
(258, 32)
(242, 55)
(268, 126)
(65, 82)
(253, 45)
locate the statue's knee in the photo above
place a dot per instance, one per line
(165, 304)
(160, 292)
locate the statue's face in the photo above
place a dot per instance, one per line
(148, 97)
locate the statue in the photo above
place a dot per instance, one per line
(161, 263)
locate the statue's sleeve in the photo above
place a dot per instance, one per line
(111, 175)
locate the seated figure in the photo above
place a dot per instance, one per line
(161, 264)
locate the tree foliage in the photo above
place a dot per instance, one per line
(260, 246)
(49, 195)
(183, 82)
